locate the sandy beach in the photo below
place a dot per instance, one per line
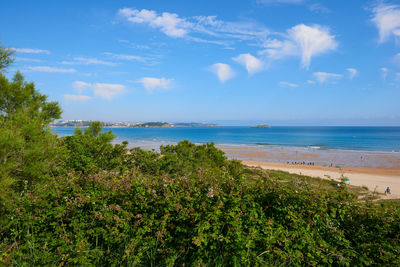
(376, 170)
(373, 178)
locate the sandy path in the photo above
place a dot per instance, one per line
(374, 179)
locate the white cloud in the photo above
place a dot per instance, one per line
(31, 51)
(352, 73)
(103, 90)
(311, 82)
(80, 98)
(384, 73)
(300, 40)
(151, 84)
(325, 77)
(50, 69)
(168, 23)
(107, 90)
(223, 71)
(387, 19)
(312, 40)
(88, 61)
(251, 63)
(288, 84)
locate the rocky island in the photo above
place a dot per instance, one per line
(261, 126)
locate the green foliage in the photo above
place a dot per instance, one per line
(28, 150)
(91, 151)
(190, 205)
(20, 97)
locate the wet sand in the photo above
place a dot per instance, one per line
(316, 156)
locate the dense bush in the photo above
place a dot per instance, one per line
(91, 150)
(191, 205)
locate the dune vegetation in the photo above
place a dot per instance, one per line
(81, 200)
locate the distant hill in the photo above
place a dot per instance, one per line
(85, 123)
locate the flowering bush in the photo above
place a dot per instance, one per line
(191, 205)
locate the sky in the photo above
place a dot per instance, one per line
(234, 62)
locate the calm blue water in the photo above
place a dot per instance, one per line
(355, 138)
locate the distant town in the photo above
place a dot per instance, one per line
(85, 123)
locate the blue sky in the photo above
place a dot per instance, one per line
(282, 62)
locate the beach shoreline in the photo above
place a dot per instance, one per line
(305, 156)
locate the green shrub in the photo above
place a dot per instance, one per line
(91, 151)
(190, 205)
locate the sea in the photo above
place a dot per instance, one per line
(322, 137)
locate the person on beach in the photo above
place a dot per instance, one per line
(387, 191)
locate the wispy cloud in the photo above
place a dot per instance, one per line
(50, 69)
(31, 51)
(196, 28)
(318, 8)
(26, 59)
(325, 77)
(88, 61)
(149, 60)
(126, 57)
(152, 84)
(102, 90)
(133, 45)
(288, 84)
(107, 90)
(251, 63)
(223, 71)
(79, 98)
(241, 30)
(80, 86)
(387, 19)
(384, 73)
(352, 73)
